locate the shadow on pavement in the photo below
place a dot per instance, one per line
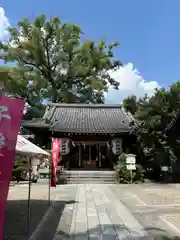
(123, 234)
(15, 220)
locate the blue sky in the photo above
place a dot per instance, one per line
(148, 32)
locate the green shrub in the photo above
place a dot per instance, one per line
(20, 168)
(123, 175)
(139, 174)
(18, 173)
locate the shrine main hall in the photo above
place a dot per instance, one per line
(92, 135)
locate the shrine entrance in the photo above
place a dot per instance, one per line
(89, 157)
(92, 155)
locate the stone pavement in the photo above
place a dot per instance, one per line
(15, 220)
(98, 214)
(109, 212)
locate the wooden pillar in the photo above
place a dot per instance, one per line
(79, 155)
(99, 150)
(89, 153)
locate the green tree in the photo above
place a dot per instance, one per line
(130, 104)
(153, 116)
(52, 63)
(4, 71)
(36, 111)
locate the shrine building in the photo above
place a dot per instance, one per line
(92, 135)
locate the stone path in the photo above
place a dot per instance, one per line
(109, 212)
(98, 214)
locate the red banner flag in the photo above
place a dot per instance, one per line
(55, 158)
(11, 111)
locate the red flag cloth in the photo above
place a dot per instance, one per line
(11, 111)
(55, 158)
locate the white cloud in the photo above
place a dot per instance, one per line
(4, 24)
(131, 82)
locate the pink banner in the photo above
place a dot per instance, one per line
(11, 110)
(55, 159)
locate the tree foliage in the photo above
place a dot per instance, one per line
(130, 104)
(36, 111)
(4, 71)
(53, 63)
(153, 115)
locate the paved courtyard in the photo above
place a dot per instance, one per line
(92, 212)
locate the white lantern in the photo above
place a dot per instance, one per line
(117, 146)
(65, 146)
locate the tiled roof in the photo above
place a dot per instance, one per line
(87, 118)
(35, 123)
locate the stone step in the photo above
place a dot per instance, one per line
(86, 177)
(88, 173)
(83, 181)
(83, 176)
(89, 182)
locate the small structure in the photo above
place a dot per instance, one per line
(25, 147)
(94, 134)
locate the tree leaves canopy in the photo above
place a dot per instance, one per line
(52, 63)
(153, 115)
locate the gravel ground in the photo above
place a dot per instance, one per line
(153, 194)
(15, 221)
(158, 199)
(173, 219)
(152, 204)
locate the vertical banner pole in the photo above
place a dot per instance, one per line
(29, 199)
(49, 186)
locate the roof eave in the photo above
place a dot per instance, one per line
(34, 124)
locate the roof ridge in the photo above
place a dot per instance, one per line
(80, 105)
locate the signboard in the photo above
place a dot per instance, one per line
(11, 111)
(130, 159)
(164, 168)
(131, 166)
